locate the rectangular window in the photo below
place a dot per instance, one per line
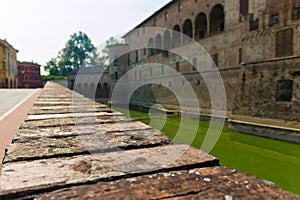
(244, 8)
(145, 51)
(165, 53)
(116, 75)
(274, 19)
(166, 15)
(284, 43)
(297, 13)
(240, 55)
(177, 66)
(137, 56)
(284, 90)
(116, 61)
(254, 24)
(215, 58)
(26, 68)
(128, 59)
(37, 78)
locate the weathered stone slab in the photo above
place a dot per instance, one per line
(29, 149)
(53, 103)
(68, 115)
(66, 131)
(68, 109)
(206, 183)
(29, 176)
(49, 96)
(75, 103)
(66, 98)
(74, 121)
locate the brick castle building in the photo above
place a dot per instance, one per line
(254, 45)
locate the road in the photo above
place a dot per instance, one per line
(11, 98)
(15, 105)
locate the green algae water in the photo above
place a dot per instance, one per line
(273, 160)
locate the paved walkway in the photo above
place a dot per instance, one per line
(15, 105)
(70, 147)
(12, 98)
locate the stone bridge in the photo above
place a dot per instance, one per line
(70, 147)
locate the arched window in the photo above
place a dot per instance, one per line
(187, 31)
(158, 44)
(200, 26)
(106, 90)
(176, 36)
(99, 91)
(217, 19)
(105, 85)
(151, 50)
(179, 7)
(85, 86)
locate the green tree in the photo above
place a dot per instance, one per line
(51, 67)
(77, 49)
(93, 59)
(72, 56)
(105, 51)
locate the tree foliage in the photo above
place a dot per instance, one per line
(79, 52)
(51, 67)
(77, 49)
(105, 51)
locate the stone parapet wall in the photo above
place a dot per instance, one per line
(70, 147)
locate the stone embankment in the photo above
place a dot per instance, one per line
(70, 147)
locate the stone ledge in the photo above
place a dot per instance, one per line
(39, 175)
(44, 147)
(205, 183)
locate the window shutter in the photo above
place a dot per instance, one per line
(289, 42)
(284, 43)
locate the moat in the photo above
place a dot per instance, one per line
(273, 160)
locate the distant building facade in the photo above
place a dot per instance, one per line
(93, 82)
(2, 65)
(29, 74)
(254, 44)
(8, 65)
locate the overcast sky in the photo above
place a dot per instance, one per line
(40, 28)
